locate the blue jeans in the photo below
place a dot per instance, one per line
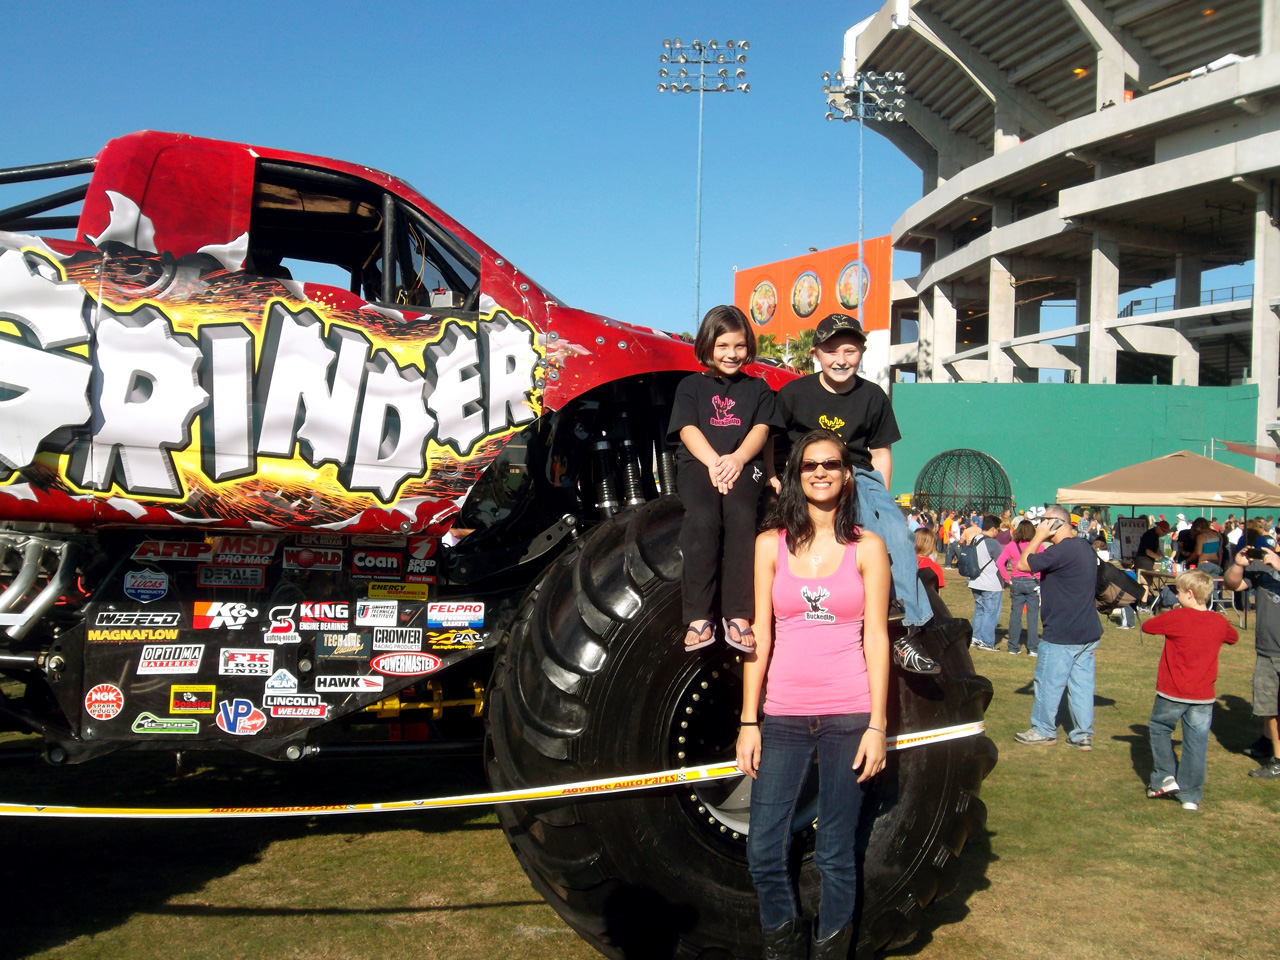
(1022, 592)
(878, 513)
(786, 754)
(986, 614)
(1189, 771)
(1062, 666)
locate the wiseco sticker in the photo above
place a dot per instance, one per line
(469, 614)
(185, 550)
(104, 702)
(406, 664)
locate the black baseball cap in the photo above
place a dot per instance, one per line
(836, 323)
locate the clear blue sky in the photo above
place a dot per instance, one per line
(539, 125)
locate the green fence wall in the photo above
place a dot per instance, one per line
(1050, 435)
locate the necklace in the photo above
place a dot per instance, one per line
(817, 560)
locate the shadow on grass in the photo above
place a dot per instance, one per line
(70, 878)
(1139, 751)
(1234, 725)
(203, 910)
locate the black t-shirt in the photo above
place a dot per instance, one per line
(1068, 583)
(1149, 541)
(1267, 630)
(723, 408)
(862, 417)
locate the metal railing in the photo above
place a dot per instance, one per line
(1207, 298)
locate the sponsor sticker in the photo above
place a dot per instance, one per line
(284, 627)
(236, 578)
(376, 613)
(244, 551)
(136, 618)
(104, 702)
(129, 636)
(150, 723)
(298, 712)
(170, 658)
(420, 565)
(398, 591)
(245, 663)
(335, 684)
(343, 646)
(311, 558)
(240, 717)
(282, 681)
(378, 540)
(220, 615)
(465, 613)
(406, 664)
(376, 565)
(295, 705)
(191, 698)
(397, 638)
(324, 616)
(184, 550)
(319, 540)
(454, 639)
(146, 585)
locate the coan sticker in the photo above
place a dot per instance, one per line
(146, 586)
(245, 663)
(170, 658)
(150, 723)
(336, 684)
(323, 616)
(406, 664)
(469, 613)
(312, 558)
(398, 591)
(104, 702)
(376, 565)
(221, 615)
(343, 646)
(191, 698)
(184, 550)
(236, 578)
(284, 628)
(397, 638)
(240, 717)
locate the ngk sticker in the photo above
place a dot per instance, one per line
(333, 684)
(324, 616)
(240, 717)
(170, 658)
(376, 565)
(236, 578)
(146, 585)
(282, 681)
(248, 551)
(469, 614)
(284, 627)
(406, 664)
(397, 638)
(185, 550)
(220, 615)
(376, 613)
(245, 663)
(192, 698)
(136, 618)
(310, 558)
(104, 702)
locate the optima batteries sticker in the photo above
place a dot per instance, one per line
(170, 658)
(468, 614)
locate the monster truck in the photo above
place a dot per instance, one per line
(287, 452)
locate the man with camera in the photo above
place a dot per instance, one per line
(1068, 570)
(1257, 567)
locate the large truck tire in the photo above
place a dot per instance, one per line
(591, 682)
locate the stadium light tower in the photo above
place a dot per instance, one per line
(702, 68)
(864, 96)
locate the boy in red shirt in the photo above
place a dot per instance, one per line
(1184, 688)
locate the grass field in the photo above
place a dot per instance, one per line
(1075, 862)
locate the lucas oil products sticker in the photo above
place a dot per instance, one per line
(468, 614)
(146, 585)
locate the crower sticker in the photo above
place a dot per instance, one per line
(240, 717)
(104, 702)
(146, 585)
(376, 613)
(284, 626)
(816, 610)
(245, 663)
(150, 723)
(323, 616)
(335, 684)
(397, 638)
(170, 658)
(406, 664)
(220, 615)
(191, 698)
(237, 578)
(468, 613)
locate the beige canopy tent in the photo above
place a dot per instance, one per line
(1182, 479)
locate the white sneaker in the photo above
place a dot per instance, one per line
(1188, 805)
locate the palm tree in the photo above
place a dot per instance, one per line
(799, 355)
(767, 346)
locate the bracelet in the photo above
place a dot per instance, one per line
(879, 731)
(748, 723)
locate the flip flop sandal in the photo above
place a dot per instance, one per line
(698, 631)
(731, 628)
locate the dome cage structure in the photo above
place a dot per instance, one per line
(968, 481)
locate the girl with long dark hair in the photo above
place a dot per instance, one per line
(822, 643)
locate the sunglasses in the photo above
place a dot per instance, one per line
(831, 466)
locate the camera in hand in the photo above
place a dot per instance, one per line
(1253, 553)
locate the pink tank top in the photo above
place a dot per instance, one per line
(817, 666)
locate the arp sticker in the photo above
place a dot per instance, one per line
(150, 723)
(245, 663)
(465, 613)
(146, 586)
(220, 615)
(312, 558)
(240, 717)
(398, 591)
(235, 578)
(284, 627)
(323, 616)
(192, 698)
(376, 613)
(343, 646)
(189, 551)
(170, 658)
(397, 638)
(104, 702)
(376, 564)
(406, 664)
(336, 684)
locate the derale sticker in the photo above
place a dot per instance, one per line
(283, 628)
(189, 551)
(245, 663)
(406, 664)
(376, 564)
(336, 684)
(323, 616)
(343, 646)
(150, 723)
(312, 558)
(466, 613)
(234, 578)
(377, 613)
(220, 615)
(170, 658)
(192, 698)
(104, 702)
(397, 638)
(398, 591)
(146, 586)
(295, 706)
(240, 717)
(244, 551)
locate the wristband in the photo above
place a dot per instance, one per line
(879, 731)
(748, 723)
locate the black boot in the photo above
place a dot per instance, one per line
(908, 655)
(835, 947)
(789, 942)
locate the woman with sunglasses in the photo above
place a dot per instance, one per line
(822, 644)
